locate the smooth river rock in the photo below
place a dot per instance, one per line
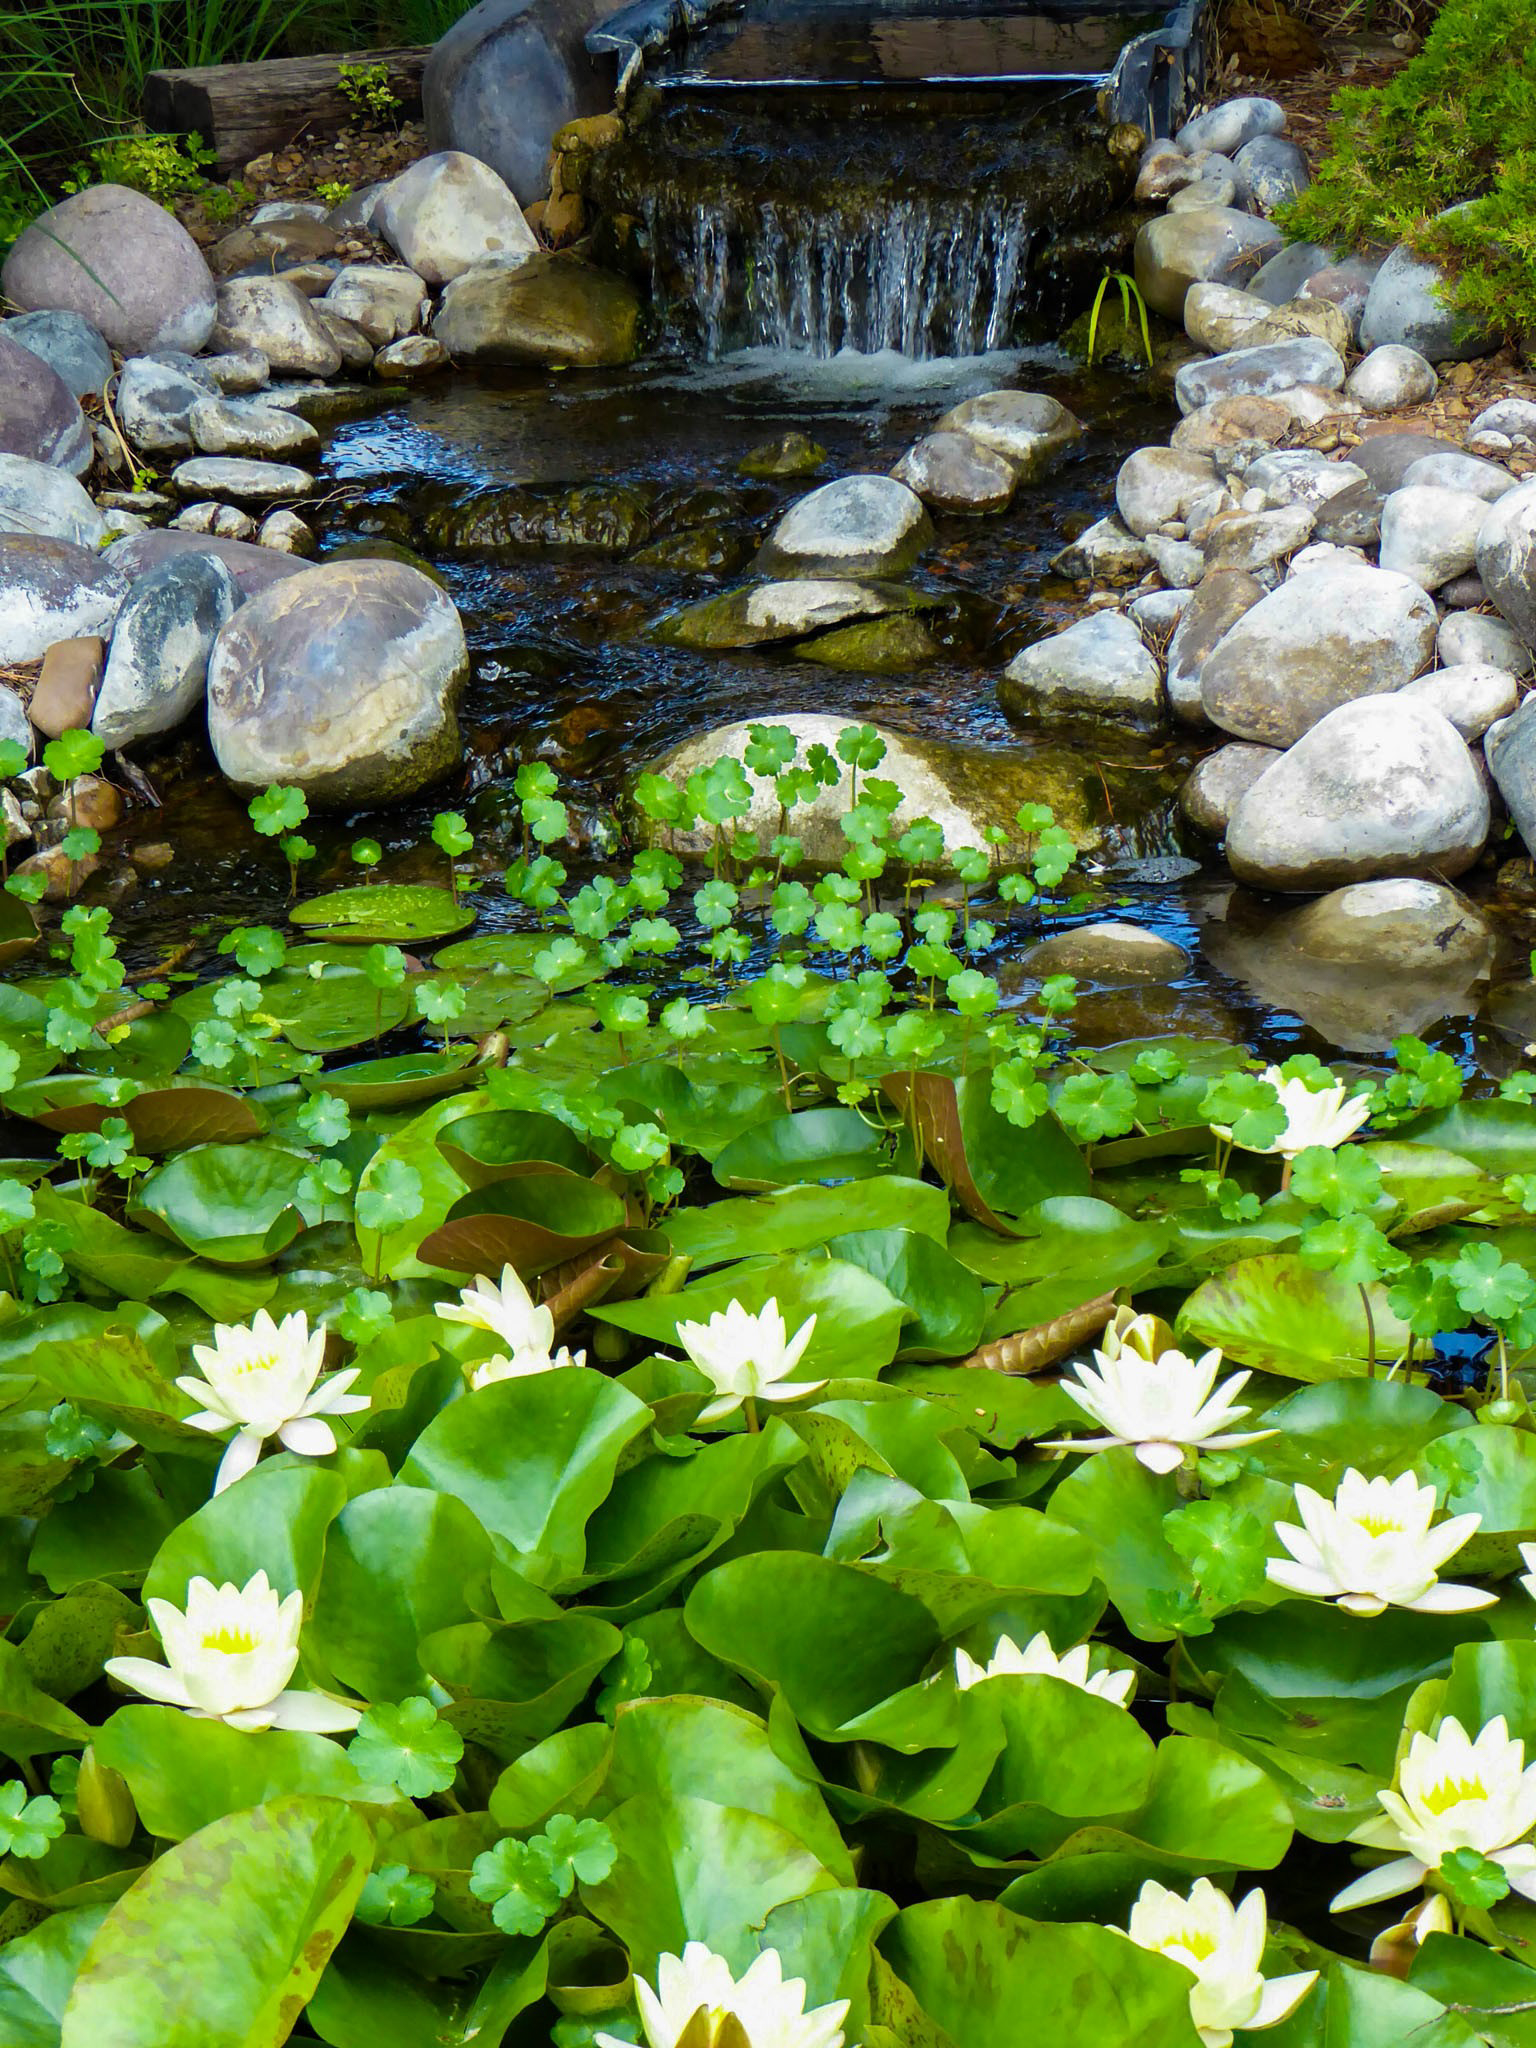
(155, 400)
(1475, 638)
(1506, 558)
(1472, 696)
(70, 346)
(35, 497)
(246, 481)
(552, 309)
(1099, 668)
(121, 261)
(857, 526)
(1381, 786)
(1156, 486)
(1390, 377)
(1219, 317)
(448, 212)
(273, 316)
(284, 703)
(1217, 245)
(1255, 372)
(1220, 600)
(1110, 951)
(1430, 533)
(1486, 480)
(1231, 125)
(1270, 170)
(954, 473)
(761, 614)
(385, 300)
(52, 590)
(157, 667)
(1219, 782)
(1028, 428)
(1407, 304)
(253, 568)
(40, 417)
(1318, 641)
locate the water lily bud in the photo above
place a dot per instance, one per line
(493, 1050)
(104, 1803)
(1513, 1411)
(1393, 1950)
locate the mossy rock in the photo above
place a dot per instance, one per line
(386, 551)
(552, 309)
(1117, 341)
(610, 519)
(697, 551)
(765, 614)
(790, 454)
(876, 647)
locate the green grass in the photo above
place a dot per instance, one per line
(1456, 124)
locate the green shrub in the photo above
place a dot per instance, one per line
(159, 165)
(1456, 124)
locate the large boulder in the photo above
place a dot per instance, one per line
(1098, 668)
(506, 76)
(157, 666)
(37, 498)
(857, 526)
(1321, 639)
(552, 309)
(342, 682)
(1409, 303)
(448, 213)
(1027, 428)
(1255, 372)
(1392, 377)
(1506, 558)
(1270, 170)
(70, 346)
(1216, 245)
(963, 789)
(122, 261)
(53, 590)
(253, 568)
(1381, 786)
(40, 417)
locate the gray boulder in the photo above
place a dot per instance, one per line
(1027, 428)
(222, 426)
(69, 345)
(1387, 458)
(551, 309)
(953, 473)
(1318, 641)
(1217, 245)
(1472, 696)
(1379, 787)
(1506, 558)
(448, 213)
(1486, 480)
(1287, 273)
(506, 76)
(384, 299)
(122, 262)
(155, 401)
(246, 481)
(1231, 125)
(1301, 476)
(253, 568)
(1103, 553)
(37, 498)
(1511, 751)
(1430, 533)
(1473, 638)
(157, 666)
(1255, 541)
(1255, 372)
(1111, 952)
(1205, 192)
(1514, 419)
(272, 316)
(857, 526)
(52, 590)
(1346, 285)
(413, 355)
(40, 417)
(1098, 668)
(1270, 171)
(1408, 303)
(283, 700)
(1157, 486)
(1220, 600)
(1219, 783)
(1392, 376)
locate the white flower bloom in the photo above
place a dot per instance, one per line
(1313, 1116)
(509, 1312)
(229, 1657)
(262, 1381)
(522, 1365)
(747, 1357)
(1371, 1547)
(1528, 1577)
(1038, 1660)
(1221, 1945)
(1452, 1793)
(1163, 1403)
(769, 2007)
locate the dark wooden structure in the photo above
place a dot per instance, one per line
(243, 110)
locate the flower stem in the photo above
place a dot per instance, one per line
(749, 1413)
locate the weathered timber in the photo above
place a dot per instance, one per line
(243, 110)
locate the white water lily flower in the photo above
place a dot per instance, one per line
(1313, 1116)
(1222, 1946)
(1165, 1405)
(747, 1357)
(262, 1380)
(1038, 1660)
(1452, 1793)
(229, 1658)
(1371, 1547)
(522, 1365)
(768, 2007)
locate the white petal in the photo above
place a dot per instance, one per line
(314, 1712)
(155, 1681)
(1402, 1874)
(240, 1458)
(1160, 1457)
(1280, 1998)
(1446, 1598)
(308, 1436)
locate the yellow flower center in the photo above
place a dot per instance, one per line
(1378, 1525)
(230, 1642)
(259, 1361)
(1194, 1943)
(1453, 1792)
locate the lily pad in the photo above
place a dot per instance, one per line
(397, 912)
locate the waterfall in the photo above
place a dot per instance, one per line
(935, 275)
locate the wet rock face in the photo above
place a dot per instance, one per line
(1220, 782)
(1255, 372)
(1109, 952)
(1379, 787)
(158, 665)
(551, 309)
(1099, 668)
(52, 590)
(953, 473)
(253, 568)
(1027, 428)
(122, 262)
(607, 519)
(858, 526)
(1215, 245)
(1318, 641)
(284, 702)
(40, 417)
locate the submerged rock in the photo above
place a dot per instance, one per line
(963, 789)
(283, 701)
(1318, 641)
(607, 518)
(121, 261)
(873, 647)
(761, 614)
(552, 309)
(158, 665)
(787, 454)
(1110, 952)
(1381, 786)
(1099, 668)
(857, 526)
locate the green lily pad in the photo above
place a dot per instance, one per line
(390, 1084)
(398, 912)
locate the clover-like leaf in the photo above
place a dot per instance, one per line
(28, 1825)
(517, 1881)
(1473, 1880)
(278, 809)
(396, 1896)
(392, 1197)
(407, 1746)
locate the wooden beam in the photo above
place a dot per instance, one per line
(243, 110)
